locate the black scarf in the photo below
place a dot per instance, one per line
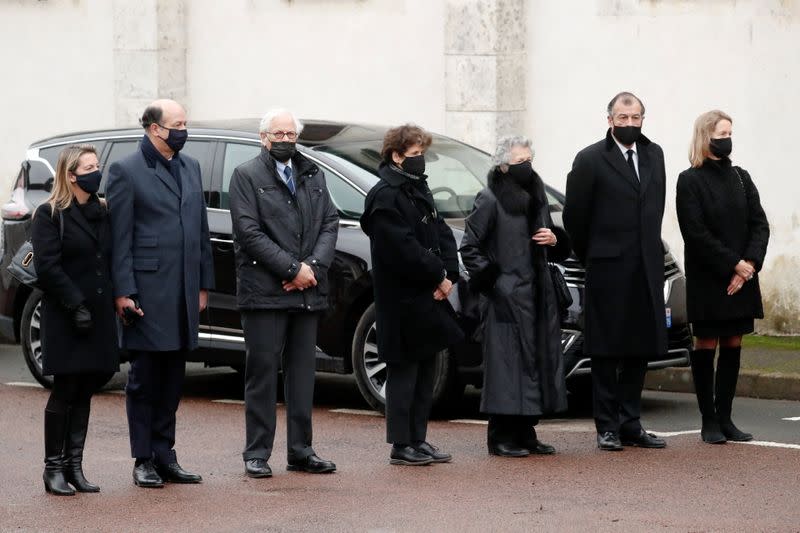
(153, 156)
(519, 200)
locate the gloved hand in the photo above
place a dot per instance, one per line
(82, 319)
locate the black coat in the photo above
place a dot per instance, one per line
(412, 249)
(72, 271)
(274, 232)
(614, 220)
(523, 365)
(162, 249)
(722, 222)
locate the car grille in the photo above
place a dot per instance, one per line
(575, 274)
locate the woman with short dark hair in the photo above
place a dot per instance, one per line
(725, 232)
(414, 267)
(72, 249)
(508, 240)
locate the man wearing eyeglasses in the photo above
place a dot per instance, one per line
(284, 230)
(613, 212)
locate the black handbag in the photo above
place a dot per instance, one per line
(563, 296)
(22, 267)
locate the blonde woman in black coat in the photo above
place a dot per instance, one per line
(72, 245)
(725, 232)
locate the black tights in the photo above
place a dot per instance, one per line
(74, 390)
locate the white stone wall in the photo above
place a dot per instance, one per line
(682, 58)
(373, 61)
(58, 74)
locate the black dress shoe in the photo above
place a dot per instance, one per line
(508, 450)
(173, 473)
(408, 456)
(609, 441)
(433, 452)
(312, 464)
(644, 440)
(257, 468)
(540, 448)
(145, 475)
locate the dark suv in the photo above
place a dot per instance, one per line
(349, 155)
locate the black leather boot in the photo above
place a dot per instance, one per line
(501, 437)
(55, 428)
(73, 451)
(727, 376)
(703, 375)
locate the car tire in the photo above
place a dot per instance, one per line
(370, 373)
(31, 339)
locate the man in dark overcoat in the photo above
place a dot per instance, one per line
(284, 229)
(162, 270)
(613, 213)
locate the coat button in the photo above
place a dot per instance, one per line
(99, 255)
(289, 202)
(99, 291)
(98, 272)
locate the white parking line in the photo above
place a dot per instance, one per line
(24, 384)
(769, 444)
(236, 402)
(361, 412)
(469, 421)
(676, 433)
(792, 419)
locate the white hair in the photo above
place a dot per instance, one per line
(502, 154)
(270, 115)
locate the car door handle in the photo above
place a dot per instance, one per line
(223, 245)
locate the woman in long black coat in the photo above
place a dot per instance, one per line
(414, 267)
(508, 240)
(725, 232)
(71, 242)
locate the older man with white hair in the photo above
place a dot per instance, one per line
(284, 228)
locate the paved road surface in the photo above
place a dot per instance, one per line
(687, 487)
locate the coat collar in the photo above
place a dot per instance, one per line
(75, 213)
(302, 166)
(614, 156)
(153, 157)
(399, 180)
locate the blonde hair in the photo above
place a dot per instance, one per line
(704, 126)
(61, 196)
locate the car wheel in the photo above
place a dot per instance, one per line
(370, 372)
(31, 337)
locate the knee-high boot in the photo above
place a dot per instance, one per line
(73, 451)
(727, 376)
(703, 375)
(55, 428)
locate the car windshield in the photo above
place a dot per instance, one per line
(456, 172)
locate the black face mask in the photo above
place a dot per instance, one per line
(721, 147)
(282, 151)
(521, 173)
(414, 165)
(89, 182)
(176, 138)
(627, 135)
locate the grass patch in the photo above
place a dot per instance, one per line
(775, 343)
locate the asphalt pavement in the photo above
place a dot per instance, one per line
(690, 486)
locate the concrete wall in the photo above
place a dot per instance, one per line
(376, 61)
(58, 73)
(682, 58)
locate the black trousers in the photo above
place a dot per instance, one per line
(153, 393)
(517, 430)
(617, 384)
(289, 338)
(74, 390)
(409, 396)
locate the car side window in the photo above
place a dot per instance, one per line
(39, 176)
(347, 199)
(235, 155)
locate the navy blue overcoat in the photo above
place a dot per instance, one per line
(161, 249)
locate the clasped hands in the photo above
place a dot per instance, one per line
(304, 279)
(443, 290)
(743, 272)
